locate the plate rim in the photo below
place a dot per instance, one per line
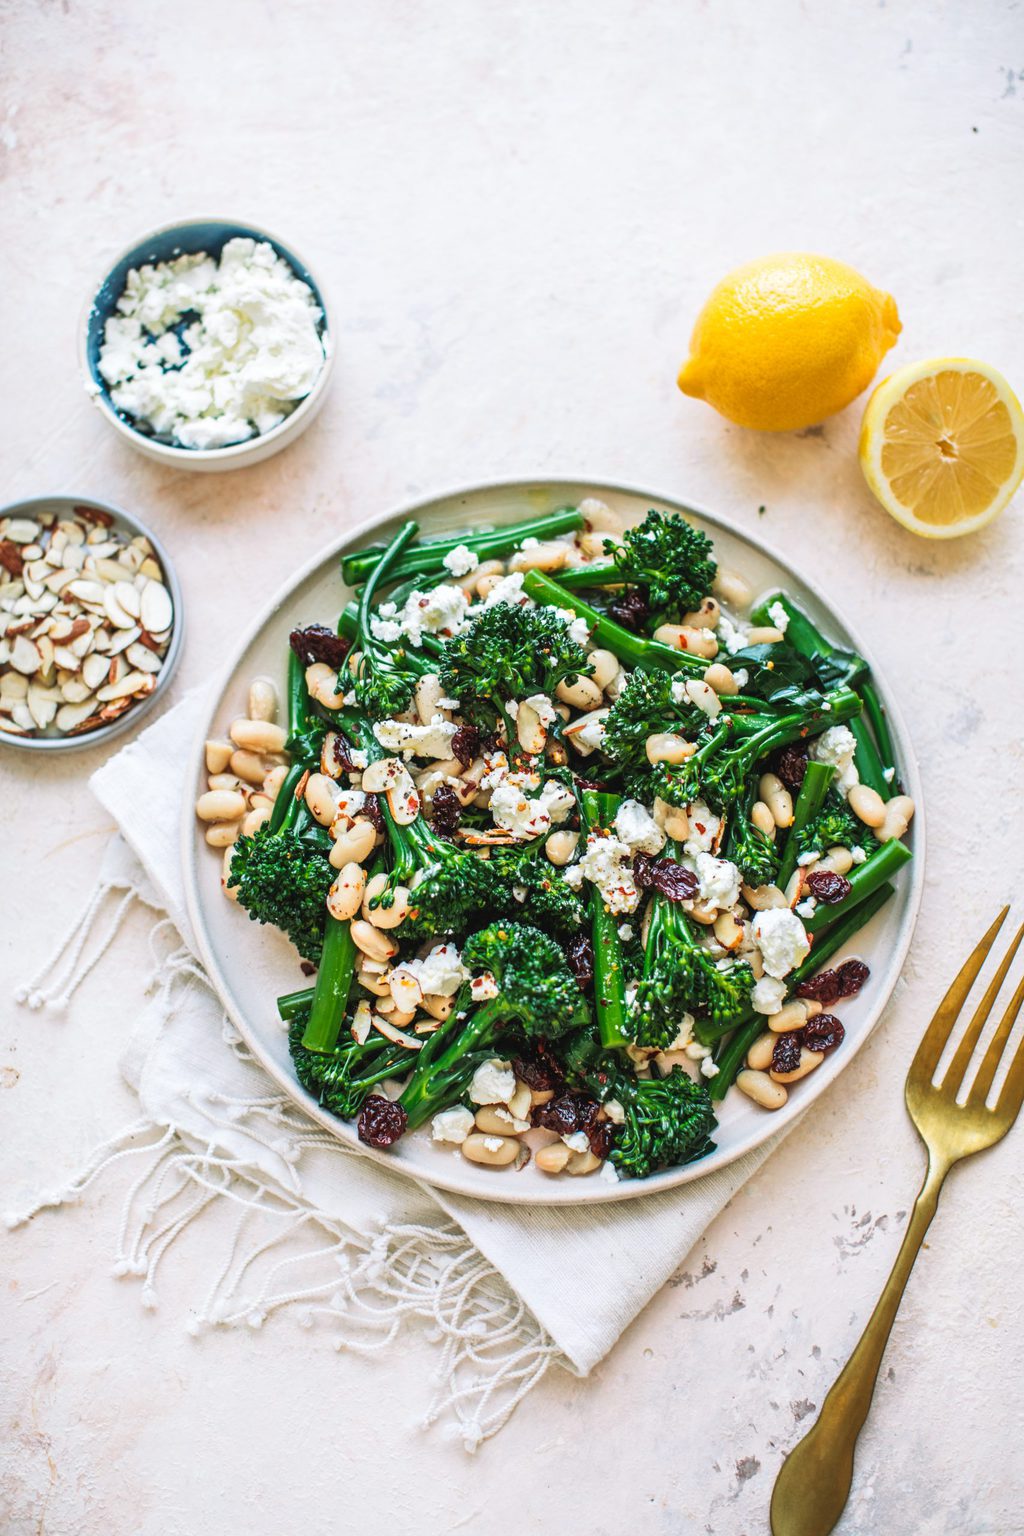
(588, 1192)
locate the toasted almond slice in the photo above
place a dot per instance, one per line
(115, 613)
(25, 657)
(128, 597)
(75, 691)
(123, 687)
(94, 670)
(132, 559)
(13, 686)
(391, 1033)
(86, 591)
(42, 707)
(109, 570)
(405, 989)
(490, 839)
(362, 1022)
(66, 658)
(11, 727)
(22, 715)
(123, 639)
(143, 658)
(72, 714)
(156, 611)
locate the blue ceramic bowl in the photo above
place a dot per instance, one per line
(188, 238)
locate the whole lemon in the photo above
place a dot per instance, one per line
(787, 340)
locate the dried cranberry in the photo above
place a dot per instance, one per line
(318, 643)
(600, 1136)
(595, 784)
(11, 557)
(852, 975)
(342, 752)
(372, 812)
(827, 886)
(540, 1070)
(823, 988)
(381, 1121)
(786, 1052)
(823, 1033)
(672, 880)
(580, 955)
(446, 811)
(307, 967)
(791, 764)
(466, 744)
(568, 1113)
(631, 609)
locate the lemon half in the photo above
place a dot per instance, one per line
(942, 445)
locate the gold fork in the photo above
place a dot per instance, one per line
(814, 1484)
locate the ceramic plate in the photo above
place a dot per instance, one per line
(252, 965)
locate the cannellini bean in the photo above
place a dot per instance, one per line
(761, 897)
(665, 747)
(604, 666)
(320, 798)
(221, 805)
(552, 1159)
(704, 696)
(761, 1088)
(764, 634)
(258, 735)
(255, 819)
(777, 798)
(599, 515)
(427, 695)
(485, 585)
(793, 1015)
(838, 860)
(683, 637)
(549, 556)
(374, 944)
(230, 891)
(322, 682)
(731, 588)
(582, 1163)
(496, 1120)
(346, 894)
(485, 571)
(224, 781)
(221, 834)
(561, 846)
(707, 616)
(677, 826)
(530, 733)
(381, 916)
(763, 819)
(760, 1054)
(248, 766)
(491, 1151)
(591, 546)
(355, 845)
(380, 775)
(582, 694)
(257, 800)
(262, 699)
(867, 804)
(218, 755)
(898, 814)
(399, 1017)
(719, 677)
(807, 1063)
(728, 931)
(273, 780)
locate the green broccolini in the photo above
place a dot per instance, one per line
(509, 652)
(834, 826)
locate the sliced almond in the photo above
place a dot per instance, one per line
(123, 687)
(86, 591)
(115, 613)
(122, 640)
(66, 658)
(41, 705)
(143, 658)
(156, 610)
(75, 691)
(362, 1022)
(25, 656)
(11, 727)
(72, 714)
(150, 568)
(405, 989)
(109, 570)
(128, 597)
(391, 1033)
(13, 686)
(94, 670)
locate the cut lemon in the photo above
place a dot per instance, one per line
(942, 445)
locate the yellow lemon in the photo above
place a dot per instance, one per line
(787, 340)
(942, 445)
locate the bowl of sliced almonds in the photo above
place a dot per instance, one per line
(90, 622)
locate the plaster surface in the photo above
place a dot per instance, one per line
(517, 211)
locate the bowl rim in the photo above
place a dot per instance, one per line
(230, 452)
(132, 716)
(443, 1178)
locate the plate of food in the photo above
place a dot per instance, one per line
(553, 841)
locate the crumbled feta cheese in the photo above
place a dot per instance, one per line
(778, 616)
(573, 876)
(730, 636)
(768, 995)
(608, 864)
(695, 1051)
(546, 711)
(252, 348)
(782, 939)
(708, 1068)
(388, 630)
(742, 677)
(805, 908)
(609, 1173)
(460, 561)
(719, 881)
(837, 746)
(635, 825)
(530, 543)
(512, 708)
(704, 827)
(615, 1112)
(508, 590)
(888, 774)
(494, 1143)
(527, 816)
(442, 610)
(433, 740)
(577, 1142)
(677, 688)
(858, 855)
(493, 1082)
(579, 629)
(483, 988)
(684, 1034)
(452, 1124)
(440, 974)
(625, 932)
(587, 731)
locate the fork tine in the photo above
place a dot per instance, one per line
(955, 1072)
(948, 1011)
(1011, 1094)
(992, 1057)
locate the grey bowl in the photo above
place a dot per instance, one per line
(63, 506)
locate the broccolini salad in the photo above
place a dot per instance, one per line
(568, 827)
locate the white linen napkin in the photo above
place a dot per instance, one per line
(553, 1285)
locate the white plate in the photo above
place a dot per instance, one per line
(252, 965)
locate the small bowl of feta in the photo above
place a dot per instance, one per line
(208, 345)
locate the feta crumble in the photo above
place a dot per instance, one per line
(577, 1142)
(452, 1125)
(442, 610)
(778, 616)
(508, 590)
(440, 974)
(837, 746)
(729, 635)
(608, 864)
(527, 816)
(704, 828)
(782, 939)
(708, 1068)
(768, 995)
(460, 561)
(635, 826)
(719, 881)
(493, 1082)
(433, 740)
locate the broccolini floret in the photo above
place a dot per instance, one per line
(670, 560)
(509, 651)
(343, 1079)
(282, 875)
(650, 702)
(834, 826)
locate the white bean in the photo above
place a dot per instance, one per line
(759, 1057)
(582, 694)
(867, 804)
(763, 819)
(561, 846)
(552, 1159)
(898, 814)
(221, 834)
(380, 916)
(374, 944)
(262, 699)
(765, 634)
(793, 1015)
(355, 845)
(487, 570)
(322, 682)
(604, 666)
(838, 860)
(761, 1088)
(258, 735)
(248, 766)
(707, 616)
(719, 677)
(761, 897)
(273, 780)
(230, 891)
(427, 696)
(731, 588)
(346, 894)
(221, 805)
(542, 557)
(218, 755)
(255, 819)
(777, 798)
(599, 515)
(665, 747)
(683, 637)
(582, 1163)
(809, 1060)
(320, 799)
(491, 1151)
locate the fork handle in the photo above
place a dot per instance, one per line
(814, 1483)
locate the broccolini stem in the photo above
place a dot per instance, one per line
(804, 637)
(292, 1003)
(733, 1054)
(609, 986)
(333, 984)
(867, 761)
(298, 706)
(808, 803)
(449, 1058)
(428, 556)
(649, 655)
(879, 867)
(601, 573)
